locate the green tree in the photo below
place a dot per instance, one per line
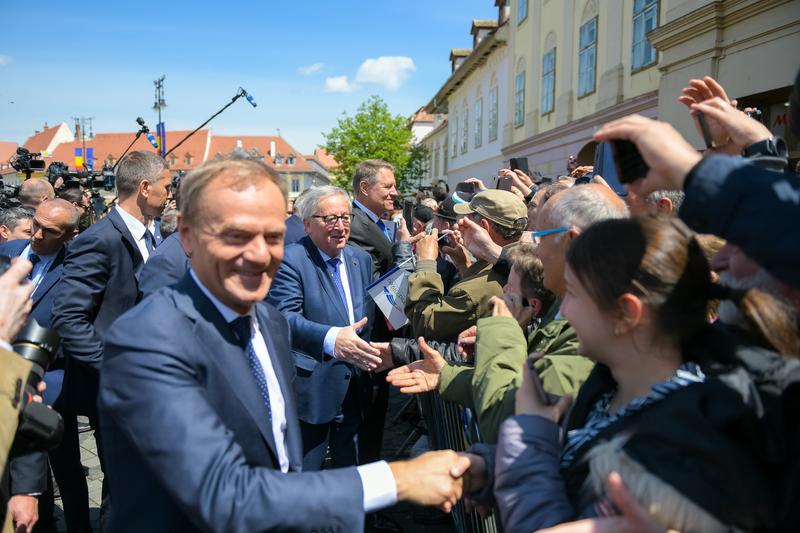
(372, 133)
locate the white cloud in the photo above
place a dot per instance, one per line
(389, 71)
(308, 70)
(338, 84)
(5, 60)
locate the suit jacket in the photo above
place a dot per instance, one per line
(304, 292)
(98, 284)
(166, 266)
(295, 230)
(42, 298)
(184, 432)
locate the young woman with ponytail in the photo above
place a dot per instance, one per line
(691, 415)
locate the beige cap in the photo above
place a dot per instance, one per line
(501, 207)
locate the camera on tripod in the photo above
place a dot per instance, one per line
(40, 428)
(27, 162)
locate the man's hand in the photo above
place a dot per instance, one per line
(433, 478)
(351, 348)
(513, 306)
(478, 183)
(519, 180)
(419, 376)
(701, 91)
(478, 241)
(633, 518)
(428, 246)
(385, 354)
(15, 299)
(465, 345)
(475, 479)
(457, 253)
(668, 155)
(740, 130)
(531, 399)
(403, 235)
(24, 512)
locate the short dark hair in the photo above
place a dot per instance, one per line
(423, 213)
(531, 273)
(137, 167)
(12, 216)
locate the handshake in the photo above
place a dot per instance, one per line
(439, 478)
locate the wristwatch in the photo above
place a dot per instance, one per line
(774, 147)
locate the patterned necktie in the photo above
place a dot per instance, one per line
(241, 326)
(34, 259)
(337, 278)
(385, 229)
(149, 241)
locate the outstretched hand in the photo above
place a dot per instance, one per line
(420, 376)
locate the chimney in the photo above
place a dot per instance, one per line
(239, 144)
(272, 150)
(77, 130)
(45, 126)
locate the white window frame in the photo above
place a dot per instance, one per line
(549, 82)
(587, 58)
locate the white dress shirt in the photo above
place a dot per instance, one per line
(329, 342)
(377, 480)
(137, 230)
(40, 268)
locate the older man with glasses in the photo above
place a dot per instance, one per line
(321, 290)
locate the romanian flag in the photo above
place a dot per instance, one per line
(78, 158)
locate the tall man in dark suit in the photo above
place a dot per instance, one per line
(168, 264)
(99, 283)
(54, 224)
(375, 189)
(321, 290)
(198, 413)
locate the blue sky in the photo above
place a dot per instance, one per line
(304, 62)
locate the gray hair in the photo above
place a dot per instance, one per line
(368, 171)
(12, 216)
(169, 222)
(298, 202)
(312, 199)
(676, 197)
(580, 207)
(137, 167)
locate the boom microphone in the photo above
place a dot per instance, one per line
(146, 131)
(249, 97)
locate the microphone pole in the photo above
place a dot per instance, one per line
(143, 129)
(239, 94)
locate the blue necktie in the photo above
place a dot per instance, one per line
(149, 241)
(34, 259)
(385, 229)
(241, 326)
(337, 279)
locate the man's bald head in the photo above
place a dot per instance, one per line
(54, 223)
(34, 191)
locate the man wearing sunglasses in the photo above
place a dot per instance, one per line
(321, 290)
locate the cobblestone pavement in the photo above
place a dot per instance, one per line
(401, 422)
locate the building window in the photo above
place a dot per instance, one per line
(290, 159)
(645, 19)
(436, 155)
(493, 114)
(522, 10)
(519, 100)
(295, 184)
(279, 159)
(454, 137)
(478, 122)
(587, 57)
(464, 131)
(188, 159)
(548, 81)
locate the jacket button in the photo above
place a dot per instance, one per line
(347, 376)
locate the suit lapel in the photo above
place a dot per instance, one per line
(376, 236)
(325, 279)
(50, 278)
(357, 289)
(133, 249)
(217, 339)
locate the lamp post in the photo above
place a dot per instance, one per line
(160, 103)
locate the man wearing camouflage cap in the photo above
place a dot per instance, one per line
(441, 316)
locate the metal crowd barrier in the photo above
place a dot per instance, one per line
(446, 431)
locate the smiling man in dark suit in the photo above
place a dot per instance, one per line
(198, 412)
(321, 290)
(54, 224)
(99, 283)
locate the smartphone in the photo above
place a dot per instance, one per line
(629, 162)
(469, 188)
(519, 163)
(701, 119)
(604, 166)
(408, 214)
(504, 183)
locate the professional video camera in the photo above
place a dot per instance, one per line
(8, 195)
(26, 161)
(40, 428)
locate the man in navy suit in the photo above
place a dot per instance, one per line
(168, 264)
(54, 224)
(198, 413)
(295, 230)
(321, 290)
(100, 283)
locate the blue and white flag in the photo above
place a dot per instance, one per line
(389, 293)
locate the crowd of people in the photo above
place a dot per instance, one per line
(623, 362)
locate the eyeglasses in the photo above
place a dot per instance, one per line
(542, 233)
(331, 220)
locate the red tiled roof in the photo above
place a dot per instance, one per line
(325, 159)
(42, 140)
(225, 144)
(114, 144)
(7, 151)
(422, 116)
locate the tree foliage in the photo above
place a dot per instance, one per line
(372, 133)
